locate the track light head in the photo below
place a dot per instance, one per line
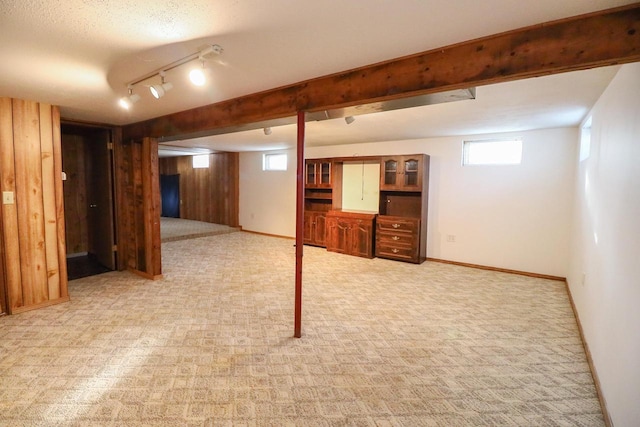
(267, 131)
(349, 119)
(158, 91)
(127, 101)
(197, 77)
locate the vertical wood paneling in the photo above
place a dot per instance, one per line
(151, 197)
(49, 202)
(124, 204)
(30, 167)
(57, 179)
(75, 194)
(139, 208)
(13, 274)
(209, 195)
(138, 194)
(28, 170)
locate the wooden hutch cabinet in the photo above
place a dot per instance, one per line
(350, 232)
(398, 231)
(319, 196)
(318, 173)
(401, 226)
(402, 173)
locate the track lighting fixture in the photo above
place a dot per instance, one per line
(267, 131)
(196, 76)
(349, 119)
(127, 101)
(158, 91)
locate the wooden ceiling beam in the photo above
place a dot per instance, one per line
(598, 39)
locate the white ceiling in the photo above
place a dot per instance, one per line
(79, 54)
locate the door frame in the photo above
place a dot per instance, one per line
(112, 134)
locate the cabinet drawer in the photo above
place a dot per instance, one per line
(396, 239)
(397, 224)
(397, 252)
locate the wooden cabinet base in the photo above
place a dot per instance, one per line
(350, 232)
(398, 238)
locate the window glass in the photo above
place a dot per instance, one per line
(274, 162)
(201, 161)
(492, 152)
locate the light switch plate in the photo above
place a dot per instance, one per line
(7, 198)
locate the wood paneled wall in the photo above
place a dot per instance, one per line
(138, 201)
(33, 236)
(207, 194)
(75, 193)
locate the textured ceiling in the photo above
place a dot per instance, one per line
(79, 54)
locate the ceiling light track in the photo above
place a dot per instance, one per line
(203, 54)
(158, 90)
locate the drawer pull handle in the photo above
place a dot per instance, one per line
(395, 238)
(395, 251)
(395, 225)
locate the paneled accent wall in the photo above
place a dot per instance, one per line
(207, 194)
(33, 236)
(138, 201)
(75, 193)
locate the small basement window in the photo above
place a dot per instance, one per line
(274, 162)
(200, 161)
(492, 152)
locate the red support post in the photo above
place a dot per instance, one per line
(299, 225)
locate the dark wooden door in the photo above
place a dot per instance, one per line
(100, 198)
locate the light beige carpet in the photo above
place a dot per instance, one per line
(385, 344)
(173, 229)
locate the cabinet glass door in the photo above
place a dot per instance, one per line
(411, 172)
(390, 172)
(325, 173)
(311, 174)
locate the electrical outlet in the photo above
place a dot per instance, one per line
(7, 198)
(451, 238)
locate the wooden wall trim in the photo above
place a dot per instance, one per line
(592, 367)
(43, 304)
(602, 38)
(501, 270)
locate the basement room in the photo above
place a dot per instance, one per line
(223, 213)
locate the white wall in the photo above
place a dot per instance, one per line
(514, 217)
(267, 198)
(606, 245)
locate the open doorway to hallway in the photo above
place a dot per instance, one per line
(87, 163)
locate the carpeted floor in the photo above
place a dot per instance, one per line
(173, 229)
(384, 344)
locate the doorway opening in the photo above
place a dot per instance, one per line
(87, 162)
